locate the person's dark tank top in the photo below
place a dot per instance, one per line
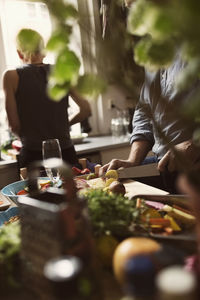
(40, 117)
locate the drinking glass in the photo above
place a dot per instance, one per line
(51, 152)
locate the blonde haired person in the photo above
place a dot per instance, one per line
(32, 116)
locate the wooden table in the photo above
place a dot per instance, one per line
(133, 188)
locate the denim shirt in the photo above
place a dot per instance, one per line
(156, 117)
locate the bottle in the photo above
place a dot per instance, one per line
(140, 275)
(81, 244)
(68, 279)
(174, 283)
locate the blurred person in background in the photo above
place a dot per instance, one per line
(32, 115)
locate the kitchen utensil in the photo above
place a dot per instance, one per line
(139, 171)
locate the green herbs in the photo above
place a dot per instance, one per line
(110, 212)
(9, 251)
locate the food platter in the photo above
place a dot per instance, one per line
(188, 235)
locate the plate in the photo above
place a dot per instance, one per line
(7, 214)
(12, 189)
(78, 139)
(179, 200)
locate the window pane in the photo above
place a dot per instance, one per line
(23, 14)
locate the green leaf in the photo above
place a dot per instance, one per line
(67, 67)
(137, 24)
(163, 22)
(29, 41)
(91, 85)
(62, 10)
(154, 54)
(57, 92)
(57, 41)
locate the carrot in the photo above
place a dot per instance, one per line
(159, 221)
(22, 192)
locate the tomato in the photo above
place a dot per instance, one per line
(22, 192)
(76, 171)
(17, 145)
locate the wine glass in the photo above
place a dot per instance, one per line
(51, 152)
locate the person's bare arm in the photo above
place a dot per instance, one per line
(10, 82)
(84, 106)
(139, 150)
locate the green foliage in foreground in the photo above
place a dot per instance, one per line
(110, 213)
(172, 26)
(10, 243)
(167, 28)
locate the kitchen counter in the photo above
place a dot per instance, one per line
(89, 145)
(100, 143)
(99, 149)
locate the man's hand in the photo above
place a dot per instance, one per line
(115, 164)
(139, 150)
(184, 154)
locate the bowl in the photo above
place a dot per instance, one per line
(12, 189)
(7, 214)
(78, 139)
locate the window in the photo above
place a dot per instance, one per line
(19, 14)
(14, 15)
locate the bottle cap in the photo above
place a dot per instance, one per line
(176, 281)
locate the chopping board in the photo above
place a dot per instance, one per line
(134, 188)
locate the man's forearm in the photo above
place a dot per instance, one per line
(139, 151)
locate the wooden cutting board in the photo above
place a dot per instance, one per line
(134, 188)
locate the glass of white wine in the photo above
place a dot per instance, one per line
(52, 156)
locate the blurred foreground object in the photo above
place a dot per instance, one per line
(53, 224)
(130, 248)
(175, 283)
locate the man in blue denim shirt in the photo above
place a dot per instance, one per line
(157, 126)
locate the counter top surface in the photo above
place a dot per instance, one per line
(93, 144)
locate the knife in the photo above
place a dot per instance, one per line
(139, 171)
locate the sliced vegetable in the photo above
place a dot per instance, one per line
(159, 221)
(22, 192)
(112, 174)
(173, 223)
(76, 171)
